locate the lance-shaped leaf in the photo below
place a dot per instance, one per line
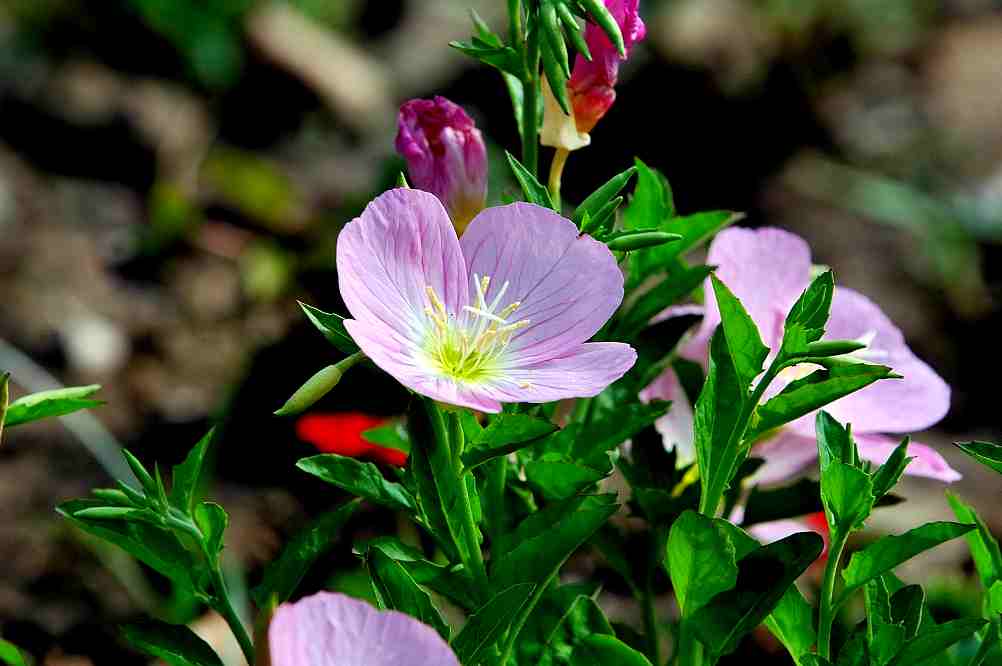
(792, 623)
(10, 655)
(805, 323)
(283, 575)
(595, 201)
(332, 327)
(847, 494)
(701, 560)
(908, 609)
(652, 202)
(450, 582)
(821, 387)
(44, 404)
(483, 629)
(583, 618)
(358, 478)
(397, 590)
(506, 434)
(601, 650)
(935, 640)
(986, 453)
(176, 644)
(743, 340)
(503, 58)
(534, 192)
(763, 578)
(605, 20)
(186, 476)
(982, 544)
(888, 552)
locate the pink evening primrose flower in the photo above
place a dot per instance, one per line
(592, 84)
(500, 315)
(768, 269)
(329, 628)
(445, 155)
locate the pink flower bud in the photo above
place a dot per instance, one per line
(445, 155)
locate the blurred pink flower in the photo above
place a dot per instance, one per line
(445, 155)
(591, 87)
(768, 269)
(329, 628)
(501, 315)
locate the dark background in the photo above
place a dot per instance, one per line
(173, 174)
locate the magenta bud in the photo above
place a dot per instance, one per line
(445, 155)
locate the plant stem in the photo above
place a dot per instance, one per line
(497, 479)
(530, 102)
(650, 619)
(225, 608)
(826, 612)
(986, 645)
(476, 558)
(556, 173)
(690, 651)
(515, 22)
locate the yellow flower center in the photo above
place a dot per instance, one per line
(471, 348)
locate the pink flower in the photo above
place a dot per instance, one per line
(592, 83)
(445, 155)
(501, 315)
(591, 88)
(768, 269)
(780, 529)
(329, 628)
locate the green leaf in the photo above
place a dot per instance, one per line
(888, 474)
(652, 201)
(717, 412)
(541, 543)
(332, 327)
(801, 498)
(763, 578)
(533, 191)
(212, 520)
(603, 195)
(982, 544)
(450, 582)
(888, 552)
(676, 286)
(847, 494)
(792, 623)
(506, 434)
(696, 229)
(610, 428)
(397, 590)
(884, 636)
(573, 30)
(392, 435)
(483, 629)
(283, 575)
(44, 404)
(555, 76)
(186, 475)
(583, 618)
(805, 323)
(359, 478)
(500, 57)
(554, 34)
(156, 547)
(10, 655)
(835, 443)
(741, 335)
(812, 660)
(600, 650)
(560, 479)
(907, 608)
(986, 453)
(176, 644)
(701, 560)
(935, 640)
(814, 391)
(995, 597)
(605, 20)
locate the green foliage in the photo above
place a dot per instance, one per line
(600, 650)
(332, 327)
(359, 478)
(533, 191)
(395, 588)
(598, 199)
(488, 623)
(10, 655)
(986, 453)
(701, 560)
(45, 404)
(506, 434)
(175, 644)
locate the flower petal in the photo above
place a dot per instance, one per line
(329, 628)
(926, 461)
(766, 269)
(386, 258)
(675, 427)
(913, 403)
(786, 455)
(581, 373)
(568, 285)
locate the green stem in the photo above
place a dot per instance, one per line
(987, 643)
(651, 620)
(826, 612)
(497, 479)
(476, 559)
(509, 644)
(225, 608)
(515, 22)
(530, 102)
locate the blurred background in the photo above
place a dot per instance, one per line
(173, 175)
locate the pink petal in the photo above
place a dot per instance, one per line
(767, 269)
(914, 403)
(580, 373)
(777, 529)
(926, 461)
(568, 285)
(330, 629)
(675, 427)
(786, 455)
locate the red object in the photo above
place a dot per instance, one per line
(816, 522)
(341, 433)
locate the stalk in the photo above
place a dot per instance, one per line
(556, 173)
(826, 612)
(530, 101)
(476, 563)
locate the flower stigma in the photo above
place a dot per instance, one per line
(470, 347)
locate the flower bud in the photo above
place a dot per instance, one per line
(445, 155)
(592, 83)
